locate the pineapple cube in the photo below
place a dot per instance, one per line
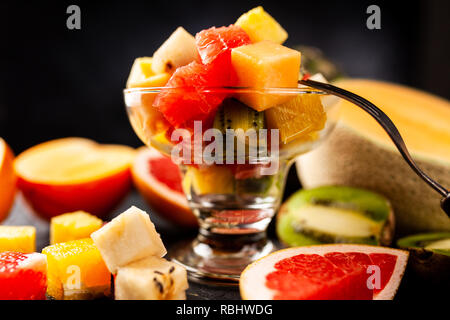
(152, 278)
(76, 271)
(73, 226)
(299, 118)
(19, 239)
(142, 75)
(260, 26)
(127, 238)
(265, 65)
(177, 51)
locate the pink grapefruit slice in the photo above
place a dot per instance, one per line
(325, 272)
(158, 180)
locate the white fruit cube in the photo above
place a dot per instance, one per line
(127, 238)
(177, 51)
(152, 278)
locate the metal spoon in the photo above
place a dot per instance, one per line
(390, 129)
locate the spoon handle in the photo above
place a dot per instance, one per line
(390, 129)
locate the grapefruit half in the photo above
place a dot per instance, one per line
(158, 180)
(325, 272)
(7, 179)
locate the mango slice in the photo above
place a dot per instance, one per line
(265, 65)
(297, 118)
(260, 26)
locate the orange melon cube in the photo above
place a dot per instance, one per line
(76, 271)
(142, 75)
(265, 65)
(73, 226)
(260, 26)
(19, 239)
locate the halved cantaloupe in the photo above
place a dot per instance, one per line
(359, 153)
(71, 174)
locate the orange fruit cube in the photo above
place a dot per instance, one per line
(19, 239)
(73, 226)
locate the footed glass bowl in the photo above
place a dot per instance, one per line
(234, 180)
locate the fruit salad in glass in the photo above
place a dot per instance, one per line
(226, 106)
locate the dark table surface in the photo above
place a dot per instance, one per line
(171, 234)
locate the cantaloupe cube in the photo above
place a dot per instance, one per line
(177, 51)
(260, 26)
(142, 75)
(129, 237)
(265, 65)
(76, 271)
(73, 226)
(151, 278)
(19, 239)
(298, 118)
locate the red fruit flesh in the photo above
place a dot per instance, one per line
(20, 283)
(185, 99)
(166, 172)
(335, 276)
(214, 43)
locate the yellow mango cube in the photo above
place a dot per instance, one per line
(265, 65)
(298, 119)
(20, 239)
(142, 75)
(73, 226)
(260, 26)
(76, 270)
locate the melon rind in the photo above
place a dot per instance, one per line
(252, 283)
(348, 158)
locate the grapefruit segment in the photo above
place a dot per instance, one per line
(159, 181)
(337, 272)
(22, 276)
(71, 174)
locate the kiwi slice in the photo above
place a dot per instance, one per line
(335, 214)
(429, 256)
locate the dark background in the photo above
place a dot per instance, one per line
(56, 82)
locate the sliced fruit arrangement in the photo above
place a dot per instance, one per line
(18, 238)
(430, 256)
(76, 271)
(7, 180)
(248, 53)
(133, 251)
(22, 276)
(335, 215)
(73, 226)
(158, 180)
(71, 174)
(325, 272)
(360, 154)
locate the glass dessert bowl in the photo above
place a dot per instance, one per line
(233, 166)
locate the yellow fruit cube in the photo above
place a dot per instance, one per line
(260, 26)
(209, 179)
(76, 271)
(129, 237)
(298, 118)
(265, 65)
(20, 239)
(73, 226)
(142, 75)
